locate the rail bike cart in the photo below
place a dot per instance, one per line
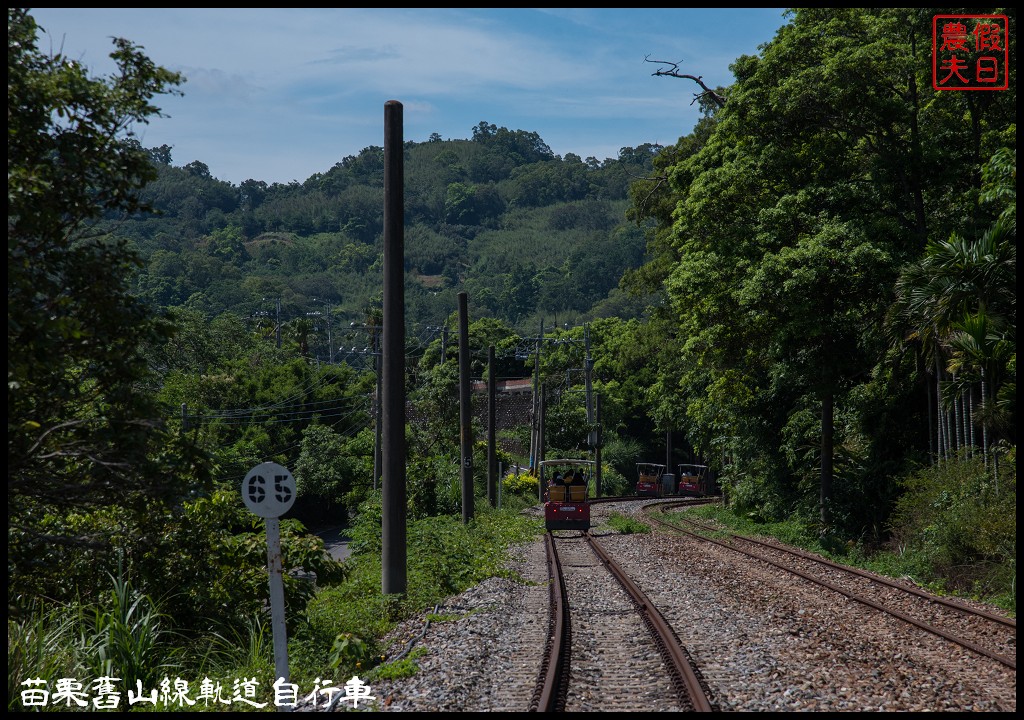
(567, 505)
(693, 480)
(649, 480)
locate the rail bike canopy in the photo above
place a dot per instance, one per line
(563, 465)
(654, 470)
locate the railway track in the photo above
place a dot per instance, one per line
(609, 647)
(982, 632)
(764, 639)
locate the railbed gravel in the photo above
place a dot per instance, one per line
(764, 641)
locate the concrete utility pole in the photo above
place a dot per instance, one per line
(327, 319)
(277, 318)
(597, 446)
(465, 411)
(394, 578)
(492, 415)
(589, 367)
(534, 426)
(668, 449)
(540, 426)
(330, 343)
(279, 323)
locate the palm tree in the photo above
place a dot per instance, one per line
(299, 330)
(964, 290)
(980, 352)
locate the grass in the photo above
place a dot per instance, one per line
(39, 646)
(123, 637)
(404, 668)
(445, 558)
(126, 638)
(626, 524)
(432, 617)
(341, 633)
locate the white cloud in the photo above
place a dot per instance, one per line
(282, 93)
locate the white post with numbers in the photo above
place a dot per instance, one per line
(268, 490)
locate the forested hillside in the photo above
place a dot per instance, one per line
(526, 233)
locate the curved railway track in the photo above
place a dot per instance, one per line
(583, 670)
(553, 681)
(982, 632)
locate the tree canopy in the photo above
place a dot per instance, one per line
(82, 432)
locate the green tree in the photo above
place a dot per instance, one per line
(81, 433)
(459, 208)
(299, 330)
(809, 300)
(957, 305)
(814, 160)
(333, 469)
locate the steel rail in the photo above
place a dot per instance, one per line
(553, 681)
(1009, 662)
(680, 667)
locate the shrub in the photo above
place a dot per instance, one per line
(524, 484)
(962, 522)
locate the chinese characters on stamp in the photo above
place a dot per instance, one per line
(970, 52)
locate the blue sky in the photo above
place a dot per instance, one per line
(281, 94)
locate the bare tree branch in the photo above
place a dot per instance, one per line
(642, 205)
(718, 99)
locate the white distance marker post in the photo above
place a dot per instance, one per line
(269, 492)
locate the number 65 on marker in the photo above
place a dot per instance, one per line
(268, 490)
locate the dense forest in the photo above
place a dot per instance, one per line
(813, 291)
